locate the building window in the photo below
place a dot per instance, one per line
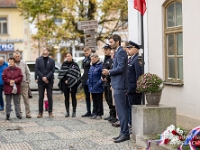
(3, 25)
(173, 42)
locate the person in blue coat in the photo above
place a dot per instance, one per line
(3, 65)
(95, 86)
(134, 71)
(119, 82)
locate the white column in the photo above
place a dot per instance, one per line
(134, 27)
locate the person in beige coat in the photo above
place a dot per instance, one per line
(25, 82)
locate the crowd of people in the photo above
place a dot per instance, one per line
(116, 78)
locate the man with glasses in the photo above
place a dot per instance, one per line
(25, 82)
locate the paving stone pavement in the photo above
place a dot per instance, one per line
(59, 133)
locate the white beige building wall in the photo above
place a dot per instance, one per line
(186, 97)
(18, 28)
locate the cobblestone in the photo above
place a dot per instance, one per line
(59, 133)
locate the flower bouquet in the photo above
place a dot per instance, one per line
(149, 83)
(152, 86)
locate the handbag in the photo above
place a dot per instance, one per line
(14, 90)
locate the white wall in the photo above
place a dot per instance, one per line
(134, 29)
(186, 98)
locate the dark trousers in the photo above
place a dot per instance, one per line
(97, 103)
(73, 91)
(1, 96)
(41, 89)
(16, 103)
(120, 103)
(87, 98)
(132, 99)
(108, 97)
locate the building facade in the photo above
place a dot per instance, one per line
(14, 31)
(172, 33)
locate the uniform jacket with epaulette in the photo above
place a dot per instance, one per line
(134, 71)
(107, 64)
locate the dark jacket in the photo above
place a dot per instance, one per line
(119, 73)
(94, 82)
(5, 65)
(42, 71)
(12, 74)
(86, 67)
(69, 71)
(107, 64)
(134, 71)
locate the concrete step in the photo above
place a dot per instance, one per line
(142, 140)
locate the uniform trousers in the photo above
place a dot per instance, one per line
(132, 99)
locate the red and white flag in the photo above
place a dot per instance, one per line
(140, 5)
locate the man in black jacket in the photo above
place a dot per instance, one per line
(84, 78)
(44, 69)
(108, 62)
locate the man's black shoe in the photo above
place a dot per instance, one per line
(113, 120)
(115, 138)
(19, 117)
(122, 138)
(107, 118)
(67, 114)
(86, 115)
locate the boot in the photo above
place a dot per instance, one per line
(7, 116)
(73, 114)
(67, 114)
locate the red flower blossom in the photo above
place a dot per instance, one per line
(174, 132)
(167, 141)
(180, 138)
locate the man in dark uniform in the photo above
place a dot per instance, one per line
(86, 67)
(134, 71)
(108, 62)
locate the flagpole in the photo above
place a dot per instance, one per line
(142, 46)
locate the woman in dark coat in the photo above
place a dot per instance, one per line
(95, 86)
(69, 76)
(12, 77)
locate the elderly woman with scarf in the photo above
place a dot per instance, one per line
(95, 86)
(69, 76)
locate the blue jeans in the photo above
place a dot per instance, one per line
(1, 96)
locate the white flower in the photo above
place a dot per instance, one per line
(171, 128)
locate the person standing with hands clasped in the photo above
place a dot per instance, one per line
(12, 78)
(95, 86)
(69, 76)
(44, 70)
(108, 62)
(119, 83)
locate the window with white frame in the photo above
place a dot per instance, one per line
(173, 42)
(3, 25)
